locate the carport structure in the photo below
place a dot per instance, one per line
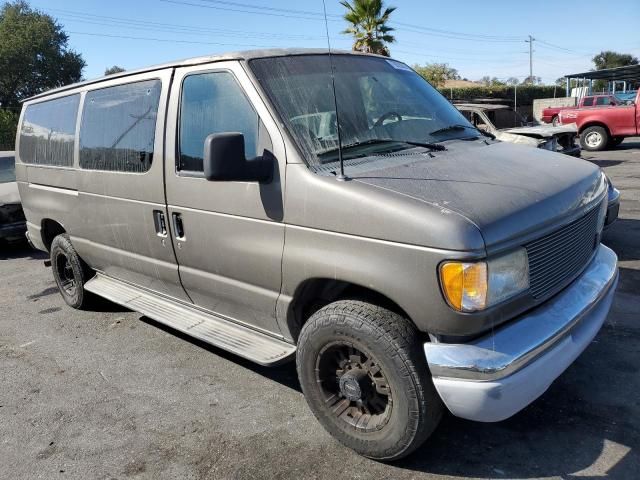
(630, 73)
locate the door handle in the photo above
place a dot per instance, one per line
(160, 223)
(178, 226)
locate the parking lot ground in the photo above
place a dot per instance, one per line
(110, 394)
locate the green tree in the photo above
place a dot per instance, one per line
(112, 70)
(437, 73)
(532, 81)
(8, 125)
(609, 59)
(368, 19)
(34, 55)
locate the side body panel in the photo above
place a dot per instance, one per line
(372, 238)
(620, 120)
(109, 215)
(231, 252)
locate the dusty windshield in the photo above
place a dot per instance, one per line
(383, 105)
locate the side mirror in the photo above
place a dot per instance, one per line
(224, 160)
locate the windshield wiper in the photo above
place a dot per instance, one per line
(376, 141)
(460, 126)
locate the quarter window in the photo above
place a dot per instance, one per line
(213, 103)
(48, 131)
(118, 127)
(588, 102)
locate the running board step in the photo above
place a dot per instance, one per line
(245, 342)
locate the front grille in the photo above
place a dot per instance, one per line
(559, 256)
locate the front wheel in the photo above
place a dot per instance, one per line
(364, 375)
(594, 139)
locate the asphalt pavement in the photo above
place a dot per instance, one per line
(111, 394)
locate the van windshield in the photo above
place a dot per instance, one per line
(383, 105)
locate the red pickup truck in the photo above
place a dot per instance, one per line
(604, 126)
(550, 114)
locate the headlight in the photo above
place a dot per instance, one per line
(472, 286)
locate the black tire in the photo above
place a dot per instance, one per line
(594, 139)
(70, 273)
(386, 350)
(555, 121)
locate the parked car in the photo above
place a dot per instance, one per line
(550, 114)
(507, 125)
(409, 264)
(12, 222)
(603, 127)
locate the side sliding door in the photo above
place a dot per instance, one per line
(124, 230)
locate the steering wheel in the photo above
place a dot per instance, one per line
(386, 116)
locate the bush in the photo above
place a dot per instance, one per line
(526, 93)
(8, 125)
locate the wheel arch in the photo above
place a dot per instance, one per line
(49, 230)
(594, 123)
(315, 293)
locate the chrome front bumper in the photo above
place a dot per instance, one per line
(495, 376)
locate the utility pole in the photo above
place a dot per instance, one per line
(530, 42)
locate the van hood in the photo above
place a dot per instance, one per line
(543, 131)
(510, 192)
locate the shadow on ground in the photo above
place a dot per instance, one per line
(284, 374)
(12, 251)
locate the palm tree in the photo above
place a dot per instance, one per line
(368, 25)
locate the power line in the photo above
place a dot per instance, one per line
(166, 40)
(232, 9)
(311, 15)
(151, 26)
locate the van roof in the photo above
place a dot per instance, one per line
(241, 55)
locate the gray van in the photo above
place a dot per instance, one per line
(443, 270)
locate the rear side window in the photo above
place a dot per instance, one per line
(603, 101)
(48, 130)
(588, 102)
(118, 127)
(213, 103)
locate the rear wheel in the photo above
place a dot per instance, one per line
(70, 273)
(364, 375)
(594, 139)
(555, 121)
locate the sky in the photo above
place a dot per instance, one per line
(477, 38)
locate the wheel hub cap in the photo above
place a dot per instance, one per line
(353, 385)
(594, 139)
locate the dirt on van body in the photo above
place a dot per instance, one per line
(110, 394)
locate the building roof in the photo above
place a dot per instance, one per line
(630, 72)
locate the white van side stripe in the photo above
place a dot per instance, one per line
(48, 188)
